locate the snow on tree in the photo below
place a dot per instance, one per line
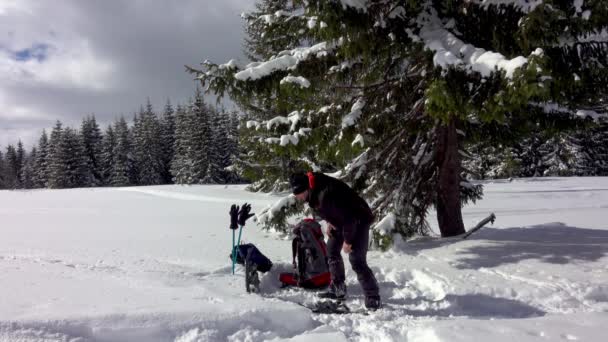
(122, 168)
(92, 138)
(193, 139)
(180, 164)
(147, 146)
(56, 167)
(220, 149)
(77, 172)
(2, 170)
(107, 155)
(234, 151)
(41, 162)
(28, 173)
(167, 141)
(418, 80)
(21, 157)
(11, 168)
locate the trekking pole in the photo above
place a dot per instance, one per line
(233, 232)
(235, 248)
(234, 216)
(243, 215)
(238, 243)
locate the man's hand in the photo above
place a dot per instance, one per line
(347, 248)
(329, 229)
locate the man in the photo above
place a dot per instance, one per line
(348, 217)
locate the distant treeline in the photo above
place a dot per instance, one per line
(191, 144)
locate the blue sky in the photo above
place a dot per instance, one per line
(38, 52)
(67, 59)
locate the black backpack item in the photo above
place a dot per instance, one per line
(309, 257)
(248, 250)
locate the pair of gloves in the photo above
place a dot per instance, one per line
(238, 216)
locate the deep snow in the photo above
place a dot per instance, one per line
(151, 264)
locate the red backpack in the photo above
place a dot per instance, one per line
(309, 257)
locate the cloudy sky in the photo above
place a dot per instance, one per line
(65, 59)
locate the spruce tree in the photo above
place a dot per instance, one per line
(390, 92)
(2, 171)
(41, 162)
(181, 165)
(233, 146)
(77, 171)
(122, 170)
(28, 174)
(107, 155)
(20, 163)
(10, 170)
(218, 148)
(56, 167)
(167, 142)
(147, 146)
(601, 137)
(92, 138)
(201, 139)
(193, 139)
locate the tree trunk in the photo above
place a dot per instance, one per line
(449, 212)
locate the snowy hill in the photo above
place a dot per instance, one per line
(151, 264)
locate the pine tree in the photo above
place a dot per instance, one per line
(92, 138)
(193, 139)
(122, 169)
(2, 172)
(557, 156)
(167, 142)
(77, 171)
(180, 163)
(28, 174)
(147, 146)
(201, 139)
(601, 137)
(11, 168)
(233, 146)
(20, 162)
(56, 168)
(41, 162)
(218, 148)
(390, 92)
(107, 155)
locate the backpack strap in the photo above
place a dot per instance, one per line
(295, 244)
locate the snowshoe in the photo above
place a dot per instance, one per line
(330, 307)
(335, 292)
(333, 307)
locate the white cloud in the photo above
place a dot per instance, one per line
(68, 66)
(13, 6)
(105, 57)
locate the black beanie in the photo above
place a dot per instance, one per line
(299, 183)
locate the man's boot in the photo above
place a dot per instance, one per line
(335, 291)
(373, 303)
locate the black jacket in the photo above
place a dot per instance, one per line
(338, 204)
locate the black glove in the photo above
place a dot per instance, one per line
(234, 216)
(244, 214)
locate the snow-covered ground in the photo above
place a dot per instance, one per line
(151, 264)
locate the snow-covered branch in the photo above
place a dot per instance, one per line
(450, 51)
(551, 108)
(525, 6)
(287, 60)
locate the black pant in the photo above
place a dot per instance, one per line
(357, 258)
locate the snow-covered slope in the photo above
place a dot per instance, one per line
(151, 264)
